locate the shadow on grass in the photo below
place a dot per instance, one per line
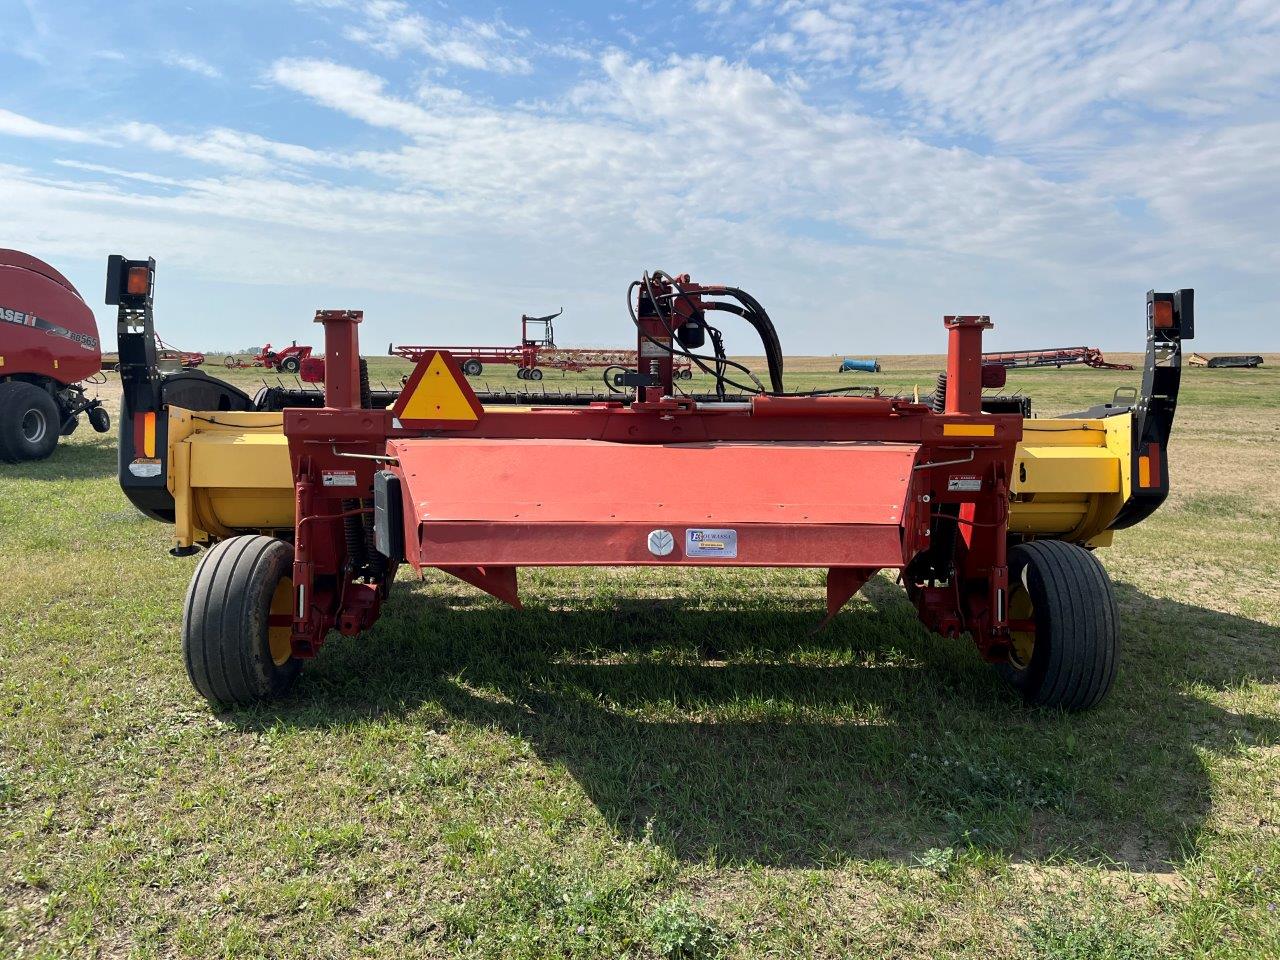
(89, 459)
(778, 746)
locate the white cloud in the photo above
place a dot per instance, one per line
(193, 64)
(16, 125)
(393, 28)
(846, 224)
(1022, 72)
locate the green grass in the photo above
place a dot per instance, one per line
(649, 763)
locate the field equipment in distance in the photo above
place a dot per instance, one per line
(49, 348)
(1054, 357)
(988, 517)
(537, 351)
(286, 360)
(851, 365)
(1245, 361)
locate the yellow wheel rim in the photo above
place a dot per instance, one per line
(1022, 643)
(278, 636)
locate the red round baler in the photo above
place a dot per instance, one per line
(48, 345)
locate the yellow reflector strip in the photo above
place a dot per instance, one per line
(968, 429)
(149, 435)
(438, 396)
(1144, 471)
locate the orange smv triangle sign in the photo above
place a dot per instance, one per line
(437, 395)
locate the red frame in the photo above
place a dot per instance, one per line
(948, 471)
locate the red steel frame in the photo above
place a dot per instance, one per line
(860, 484)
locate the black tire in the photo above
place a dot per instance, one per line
(227, 639)
(290, 364)
(100, 420)
(522, 373)
(29, 422)
(535, 374)
(473, 368)
(1070, 662)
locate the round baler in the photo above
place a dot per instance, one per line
(48, 346)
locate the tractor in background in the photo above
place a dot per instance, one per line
(49, 351)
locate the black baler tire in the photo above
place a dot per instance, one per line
(1073, 664)
(17, 398)
(224, 622)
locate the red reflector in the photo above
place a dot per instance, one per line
(138, 281)
(1161, 314)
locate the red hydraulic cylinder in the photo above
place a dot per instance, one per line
(341, 357)
(964, 363)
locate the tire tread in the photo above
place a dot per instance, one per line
(223, 621)
(1075, 613)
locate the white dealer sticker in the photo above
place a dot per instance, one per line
(964, 484)
(701, 542)
(338, 478)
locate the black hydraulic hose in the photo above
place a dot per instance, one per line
(696, 358)
(751, 311)
(609, 383)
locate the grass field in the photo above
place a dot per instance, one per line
(650, 763)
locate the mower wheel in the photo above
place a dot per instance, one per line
(1069, 659)
(99, 419)
(521, 373)
(473, 368)
(237, 622)
(29, 422)
(290, 364)
(535, 374)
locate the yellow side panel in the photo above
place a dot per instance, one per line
(1070, 478)
(228, 473)
(253, 460)
(1039, 469)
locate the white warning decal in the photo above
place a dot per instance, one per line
(338, 478)
(701, 542)
(964, 484)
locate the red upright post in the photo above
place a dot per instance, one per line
(964, 363)
(341, 357)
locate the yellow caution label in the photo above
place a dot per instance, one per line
(437, 394)
(968, 430)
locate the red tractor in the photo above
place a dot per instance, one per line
(48, 347)
(286, 360)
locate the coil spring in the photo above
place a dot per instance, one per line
(940, 394)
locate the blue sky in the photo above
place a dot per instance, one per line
(861, 166)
